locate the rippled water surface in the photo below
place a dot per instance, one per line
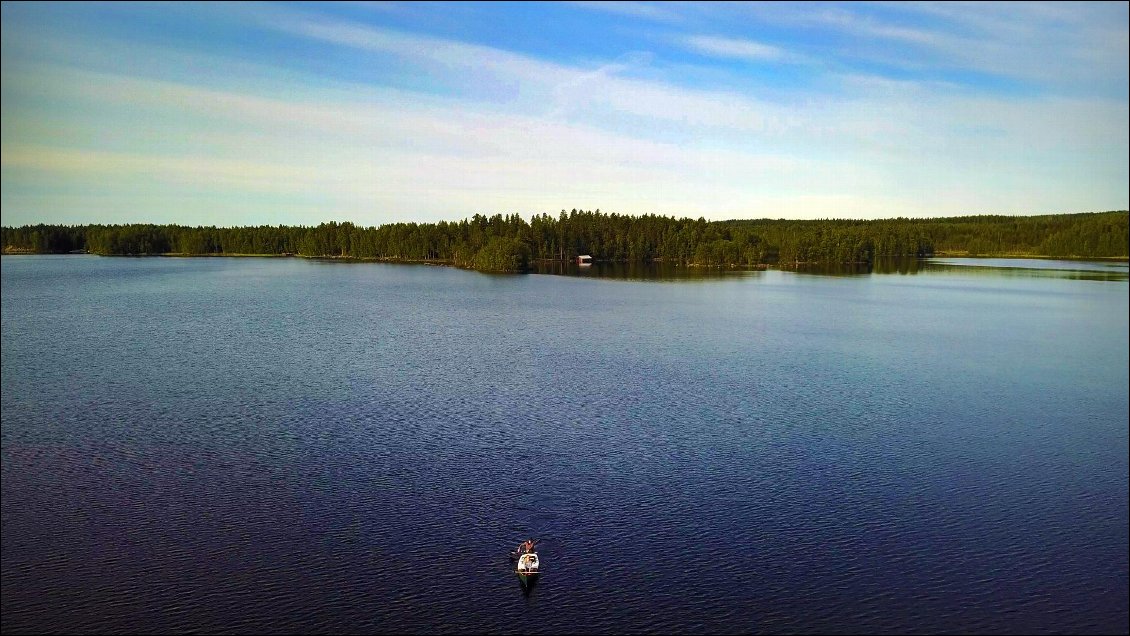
(281, 445)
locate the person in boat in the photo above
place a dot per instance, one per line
(527, 546)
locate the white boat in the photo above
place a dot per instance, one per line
(528, 566)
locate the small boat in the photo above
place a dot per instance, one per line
(528, 567)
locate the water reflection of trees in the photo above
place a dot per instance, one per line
(985, 267)
(1025, 272)
(639, 271)
(889, 265)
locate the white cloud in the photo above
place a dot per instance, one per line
(451, 58)
(660, 12)
(561, 87)
(1067, 49)
(374, 154)
(848, 21)
(733, 48)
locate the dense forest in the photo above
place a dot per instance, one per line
(510, 243)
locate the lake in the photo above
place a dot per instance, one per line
(266, 445)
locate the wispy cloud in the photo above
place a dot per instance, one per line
(658, 11)
(848, 21)
(380, 153)
(1062, 48)
(733, 48)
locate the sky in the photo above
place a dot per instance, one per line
(264, 114)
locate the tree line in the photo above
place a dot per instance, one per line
(510, 243)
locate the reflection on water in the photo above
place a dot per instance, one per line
(638, 271)
(1031, 268)
(1035, 263)
(908, 265)
(880, 266)
(1010, 267)
(898, 265)
(527, 586)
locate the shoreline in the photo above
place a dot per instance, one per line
(551, 262)
(1044, 257)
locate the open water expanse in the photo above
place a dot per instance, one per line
(250, 445)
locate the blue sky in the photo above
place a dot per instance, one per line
(294, 113)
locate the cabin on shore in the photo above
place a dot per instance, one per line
(584, 259)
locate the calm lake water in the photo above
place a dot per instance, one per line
(283, 445)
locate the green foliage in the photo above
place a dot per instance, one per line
(502, 255)
(509, 243)
(43, 239)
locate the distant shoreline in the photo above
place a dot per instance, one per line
(449, 263)
(514, 244)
